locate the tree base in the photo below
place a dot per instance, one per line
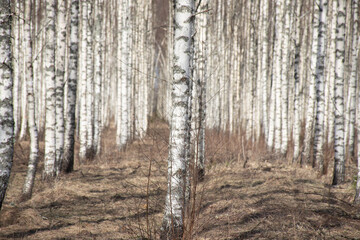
(171, 232)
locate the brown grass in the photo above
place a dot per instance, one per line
(113, 197)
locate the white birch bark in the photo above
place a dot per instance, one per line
(339, 167)
(60, 73)
(201, 90)
(277, 72)
(98, 51)
(90, 82)
(50, 121)
(319, 79)
(118, 85)
(34, 144)
(330, 113)
(297, 123)
(72, 81)
(284, 77)
(124, 131)
(357, 194)
(22, 80)
(82, 86)
(175, 202)
(15, 64)
(352, 81)
(264, 66)
(310, 115)
(6, 99)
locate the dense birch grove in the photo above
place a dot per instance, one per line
(77, 67)
(283, 73)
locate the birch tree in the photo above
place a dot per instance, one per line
(353, 80)
(69, 141)
(319, 81)
(202, 54)
(34, 144)
(15, 65)
(82, 86)
(330, 113)
(264, 64)
(339, 167)
(277, 72)
(60, 74)
(6, 101)
(175, 203)
(297, 125)
(125, 41)
(50, 121)
(284, 76)
(90, 80)
(98, 51)
(310, 114)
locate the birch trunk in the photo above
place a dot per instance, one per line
(124, 73)
(34, 144)
(320, 95)
(309, 127)
(15, 64)
(82, 88)
(284, 77)
(277, 72)
(6, 100)
(353, 80)
(357, 194)
(175, 203)
(119, 76)
(297, 124)
(69, 137)
(331, 75)
(339, 167)
(50, 121)
(98, 52)
(89, 82)
(60, 72)
(201, 91)
(22, 80)
(264, 66)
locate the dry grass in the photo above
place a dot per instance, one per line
(113, 197)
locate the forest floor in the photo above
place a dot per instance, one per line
(247, 193)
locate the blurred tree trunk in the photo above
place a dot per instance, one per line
(297, 108)
(310, 114)
(277, 71)
(90, 81)
(34, 144)
(83, 124)
(6, 99)
(264, 64)
(22, 71)
(16, 61)
(330, 113)
(125, 62)
(98, 58)
(350, 134)
(285, 63)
